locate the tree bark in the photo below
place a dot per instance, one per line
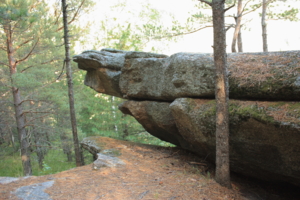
(264, 25)
(240, 41)
(39, 147)
(221, 93)
(238, 20)
(78, 156)
(19, 115)
(66, 145)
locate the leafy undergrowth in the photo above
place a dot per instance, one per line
(151, 172)
(55, 161)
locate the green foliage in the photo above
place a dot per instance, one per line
(54, 162)
(277, 10)
(11, 166)
(123, 33)
(282, 11)
(37, 42)
(15, 10)
(98, 114)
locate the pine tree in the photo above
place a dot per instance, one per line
(78, 153)
(221, 93)
(22, 22)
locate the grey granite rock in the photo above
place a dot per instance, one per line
(107, 161)
(34, 192)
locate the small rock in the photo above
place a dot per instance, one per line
(107, 161)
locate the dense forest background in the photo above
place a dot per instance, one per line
(31, 38)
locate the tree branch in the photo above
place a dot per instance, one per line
(5, 93)
(40, 63)
(25, 112)
(74, 16)
(229, 27)
(25, 57)
(62, 70)
(34, 101)
(245, 7)
(2, 63)
(37, 118)
(23, 43)
(207, 2)
(3, 48)
(225, 10)
(250, 11)
(186, 33)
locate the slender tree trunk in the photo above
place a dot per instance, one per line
(264, 25)
(240, 41)
(39, 147)
(2, 134)
(238, 20)
(48, 139)
(66, 146)
(20, 118)
(221, 93)
(78, 156)
(113, 108)
(38, 137)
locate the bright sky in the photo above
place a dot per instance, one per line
(282, 35)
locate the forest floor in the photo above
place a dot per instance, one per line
(150, 173)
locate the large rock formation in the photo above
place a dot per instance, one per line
(104, 68)
(264, 134)
(139, 75)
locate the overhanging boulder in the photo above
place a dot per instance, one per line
(264, 136)
(156, 118)
(172, 98)
(104, 68)
(148, 76)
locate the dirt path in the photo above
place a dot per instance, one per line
(150, 173)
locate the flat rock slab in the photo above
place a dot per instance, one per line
(34, 192)
(91, 146)
(107, 161)
(148, 76)
(5, 180)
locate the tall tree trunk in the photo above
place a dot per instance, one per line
(240, 41)
(78, 152)
(221, 93)
(238, 20)
(2, 135)
(19, 115)
(39, 148)
(24, 143)
(38, 137)
(264, 25)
